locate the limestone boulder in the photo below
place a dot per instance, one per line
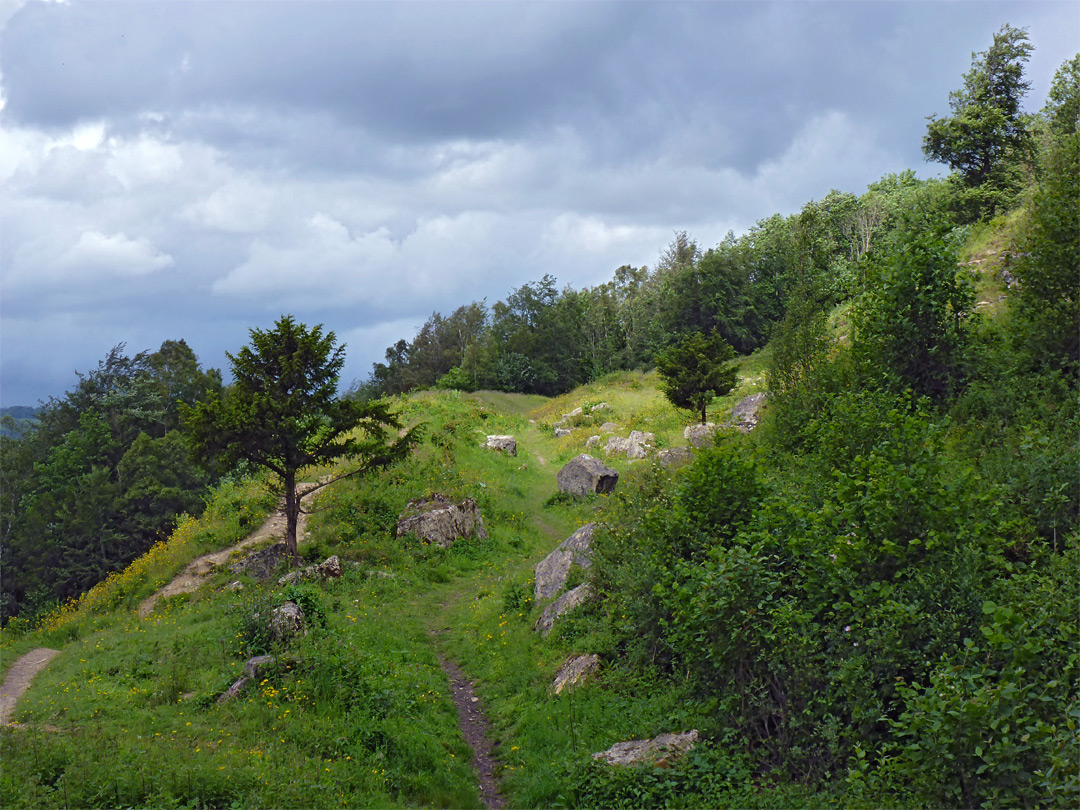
(502, 444)
(575, 672)
(441, 521)
(746, 414)
(287, 621)
(591, 442)
(552, 571)
(617, 446)
(585, 475)
(609, 427)
(561, 433)
(675, 456)
(329, 568)
(642, 437)
(564, 604)
(701, 435)
(661, 750)
(264, 563)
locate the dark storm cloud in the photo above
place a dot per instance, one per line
(191, 169)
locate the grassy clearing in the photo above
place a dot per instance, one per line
(357, 713)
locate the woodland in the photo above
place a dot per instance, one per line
(870, 600)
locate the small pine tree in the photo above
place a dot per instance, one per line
(696, 370)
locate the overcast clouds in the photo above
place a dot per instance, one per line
(193, 169)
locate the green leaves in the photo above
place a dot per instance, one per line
(696, 371)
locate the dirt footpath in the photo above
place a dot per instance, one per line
(18, 679)
(200, 569)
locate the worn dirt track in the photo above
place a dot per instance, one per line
(18, 679)
(200, 569)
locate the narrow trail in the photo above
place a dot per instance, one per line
(475, 727)
(19, 677)
(200, 569)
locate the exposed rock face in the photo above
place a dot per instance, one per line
(634, 447)
(552, 571)
(701, 435)
(262, 564)
(617, 445)
(747, 413)
(658, 751)
(502, 444)
(253, 668)
(585, 475)
(565, 603)
(287, 621)
(575, 672)
(441, 521)
(327, 569)
(675, 456)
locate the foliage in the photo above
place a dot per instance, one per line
(696, 371)
(282, 414)
(985, 138)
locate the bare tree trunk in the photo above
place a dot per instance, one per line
(292, 515)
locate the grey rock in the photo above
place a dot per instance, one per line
(592, 441)
(564, 604)
(561, 433)
(253, 668)
(575, 672)
(286, 621)
(585, 475)
(747, 413)
(502, 444)
(617, 445)
(642, 437)
(675, 456)
(441, 521)
(608, 427)
(660, 750)
(262, 564)
(701, 435)
(552, 571)
(329, 568)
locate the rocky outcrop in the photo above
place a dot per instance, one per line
(564, 604)
(575, 672)
(609, 427)
(658, 751)
(287, 621)
(329, 568)
(701, 435)
(552, 571)
(561, 433)
(585, 475)
(262, 564)
(253, 669)
(674, 456)
(746, 414)
(502, 444)
(440, 521)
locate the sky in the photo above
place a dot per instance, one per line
(193, 170)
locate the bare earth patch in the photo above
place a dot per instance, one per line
(18, 679)
(200, 569)
(475, 727)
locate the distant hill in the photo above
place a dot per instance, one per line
(22, 417)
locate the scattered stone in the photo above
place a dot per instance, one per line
(585, 475)
(591, 442)
(675, 456)
(642, 437)
(253, 668)
(1008, 278)
(262, 564)
(701, 435)
(573, 413)
(235, 586)
(327, 569)
(287, 621)
(617, 445)
(608, 427)
(561, 433)
(747, 413)
(575, 672)
(599, 406)
(565, 603)
(502, 444)
(382, 574)
(552, 571)
(441, 521)
(658, 751)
